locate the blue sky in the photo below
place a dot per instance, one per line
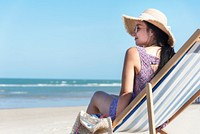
(78, 39)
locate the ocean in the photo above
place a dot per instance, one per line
(32, 93)
(35, 93)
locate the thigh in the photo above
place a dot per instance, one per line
(103, 101)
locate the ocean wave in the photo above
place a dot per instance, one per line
(63, 85)
(17, 92)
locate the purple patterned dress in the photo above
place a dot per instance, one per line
(141, 79)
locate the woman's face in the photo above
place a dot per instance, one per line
(142, 34)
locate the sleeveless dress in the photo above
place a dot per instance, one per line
(141, 79)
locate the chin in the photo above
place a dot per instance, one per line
(140, 45)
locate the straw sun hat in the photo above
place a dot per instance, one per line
(152, 16)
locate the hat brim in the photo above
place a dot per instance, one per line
(130, 23)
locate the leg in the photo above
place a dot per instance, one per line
(100, 103)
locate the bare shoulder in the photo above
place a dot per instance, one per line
(132, 53)
(132, 56)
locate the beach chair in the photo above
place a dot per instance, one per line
(174, 88)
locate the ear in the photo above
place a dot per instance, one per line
(151, 33)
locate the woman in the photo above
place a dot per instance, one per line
(154, 48)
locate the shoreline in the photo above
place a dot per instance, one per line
(59, 120)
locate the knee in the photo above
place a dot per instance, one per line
(93, 101)
(97, 94)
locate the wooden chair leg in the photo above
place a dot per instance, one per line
(151, 119)
(162, 132)
(194, 97)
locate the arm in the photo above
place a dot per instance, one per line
(131, 67)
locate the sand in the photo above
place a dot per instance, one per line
(60, 121)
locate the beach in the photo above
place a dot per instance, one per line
(59, 120)
(50, 106)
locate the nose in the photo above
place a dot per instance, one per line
(133, 34)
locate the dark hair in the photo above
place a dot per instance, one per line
(162, 40)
